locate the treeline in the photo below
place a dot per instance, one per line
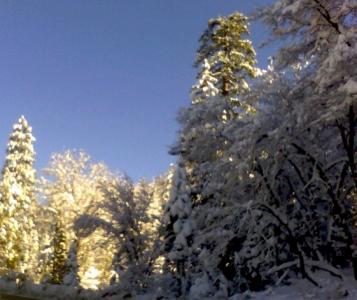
(77, 225)
(264, 189)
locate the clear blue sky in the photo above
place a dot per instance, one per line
(104, 76)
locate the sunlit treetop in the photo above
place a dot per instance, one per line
(20, 157)
(231, 57)
(20, 147)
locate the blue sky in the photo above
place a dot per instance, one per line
(104, 76)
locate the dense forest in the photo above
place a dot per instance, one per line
(263, 193)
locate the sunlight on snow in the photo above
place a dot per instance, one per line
(90, 279)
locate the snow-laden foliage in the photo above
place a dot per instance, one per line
(122, 215)
(218, 99)
(178, 230)
(321, 39)
(70, 188)
(18, 238)
(107, 215)
(276, 188)
(231, 57)
(264, 192)
(70, 183)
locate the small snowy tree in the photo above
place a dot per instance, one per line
(179, 229)
(59, 259)
(71, 277)
(44, 224)
(161, 190)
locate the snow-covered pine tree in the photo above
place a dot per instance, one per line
(179, 229)
(10, 256)
(59, 256)
(227, 62)
(19, 239)
(231, 58)
(219, 99)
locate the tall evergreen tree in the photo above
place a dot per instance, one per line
(219, 98)
(19, 241)
(227, 62)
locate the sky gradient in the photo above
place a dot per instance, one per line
(107, 76)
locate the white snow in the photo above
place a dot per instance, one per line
(332, 288)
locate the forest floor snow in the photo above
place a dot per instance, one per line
(331, 288)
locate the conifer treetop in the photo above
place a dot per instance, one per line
(21, 139)
(230, 55)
